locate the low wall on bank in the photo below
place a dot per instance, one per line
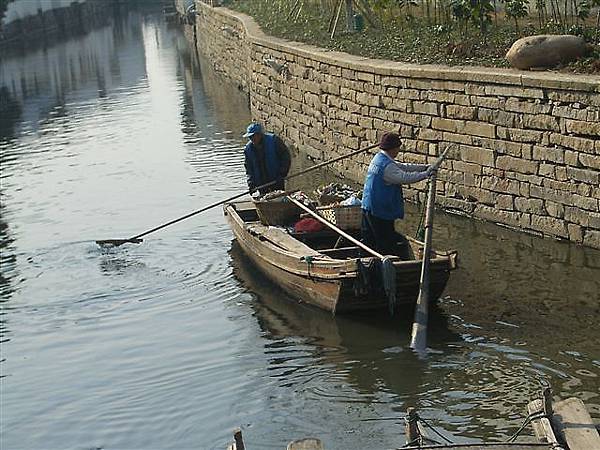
(525, 145)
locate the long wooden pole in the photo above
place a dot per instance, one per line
(418, 339)
(137, 238)
(334, 228)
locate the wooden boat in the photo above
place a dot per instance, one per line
(313, 269)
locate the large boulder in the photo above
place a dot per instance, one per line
(545, 50)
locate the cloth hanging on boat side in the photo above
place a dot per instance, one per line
(376, 277)
(362, 283)
(388, 278)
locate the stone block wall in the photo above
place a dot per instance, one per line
(525, 145)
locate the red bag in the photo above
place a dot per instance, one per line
(308, 225)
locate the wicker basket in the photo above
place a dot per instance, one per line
(344, 217)
(277, 212)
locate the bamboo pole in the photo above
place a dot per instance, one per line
(418, 339)
(334, 228)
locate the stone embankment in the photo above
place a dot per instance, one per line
(526, 145)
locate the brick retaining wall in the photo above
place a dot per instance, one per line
(526, 144)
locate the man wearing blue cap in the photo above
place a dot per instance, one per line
(383, 201)
(266, 159)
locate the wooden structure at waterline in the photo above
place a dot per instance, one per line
(315, 269)
(566, 425)
(301, 444)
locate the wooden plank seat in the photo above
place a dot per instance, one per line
(281, 238)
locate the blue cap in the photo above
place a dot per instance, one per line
(252, 129)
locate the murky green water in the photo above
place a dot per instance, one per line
(172, 343)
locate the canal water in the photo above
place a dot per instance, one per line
(172, 343)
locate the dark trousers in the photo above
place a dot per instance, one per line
(380, 235)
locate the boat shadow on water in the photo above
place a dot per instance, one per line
(370, 349)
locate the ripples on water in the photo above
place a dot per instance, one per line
(172, 343)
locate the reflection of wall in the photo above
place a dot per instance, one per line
(542, 286)
(204, 86)
(525, 145)
(10, 113)
(8, 259)
(30, 22)
(86, 67)
(233, 110)
(20, 9)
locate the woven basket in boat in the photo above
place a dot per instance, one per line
(344, 217)
(277, 212)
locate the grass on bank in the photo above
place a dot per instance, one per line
(448, 36)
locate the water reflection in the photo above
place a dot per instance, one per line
(118, 262)
(79, 70)
(525, 299)
(526, 286)
(203, 94)
(10, 113)
(371, 353)
(28, 26)
(8, 274)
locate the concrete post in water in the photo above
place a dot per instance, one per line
(547, 397)
(305, 444)
(412, 428)
(238, 441)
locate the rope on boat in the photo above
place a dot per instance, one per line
(420, 234)
(361, 283)
(527, 421)
(420, 419)
(421, 438)
(309, 262)
(530, 418)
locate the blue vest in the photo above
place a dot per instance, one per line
(272, 161)
(380, 199)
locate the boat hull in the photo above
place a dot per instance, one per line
(333, 285)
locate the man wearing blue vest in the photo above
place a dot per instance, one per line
(266, 159)
(383, 202)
